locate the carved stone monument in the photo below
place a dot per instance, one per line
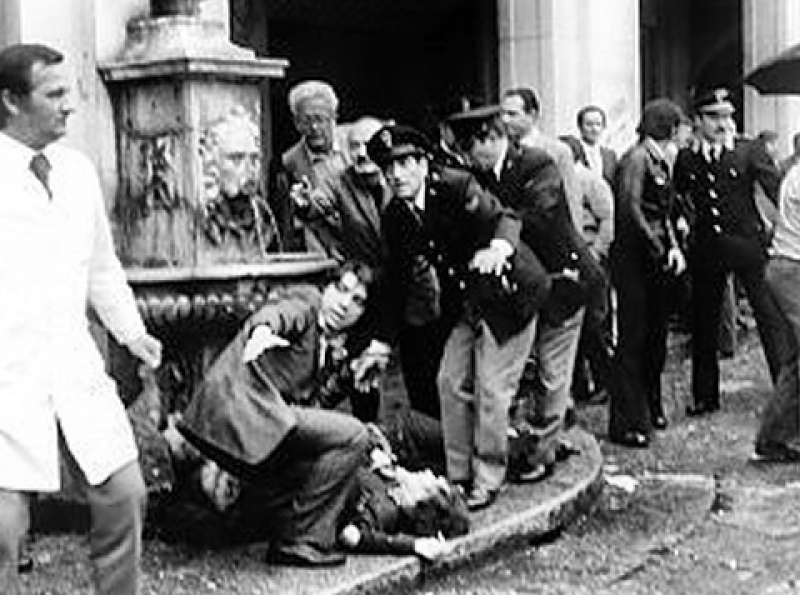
(193, 227)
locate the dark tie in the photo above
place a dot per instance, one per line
(40, 167)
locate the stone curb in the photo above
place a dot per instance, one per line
(544, 517)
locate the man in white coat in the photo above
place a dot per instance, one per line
(55, 398)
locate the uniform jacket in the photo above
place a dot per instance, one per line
(460, 218)
(644, 200)
(531, 185)
(241, 412)
(719, 198)
(58, 256)
(349, 222)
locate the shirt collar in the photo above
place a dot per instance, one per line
(498, 166)
(655, 149)
(18, 151)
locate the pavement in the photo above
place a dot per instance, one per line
(522, 513)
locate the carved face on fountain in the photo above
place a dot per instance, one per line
(232, 164)
(233, 207)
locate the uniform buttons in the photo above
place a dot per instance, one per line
(712, 193)
(451, 271)
(431, 245)
(711, 177)
(573, 256)
(733, 172)
(692, 177)
(715, 211)
(462, 285)
(717, 229)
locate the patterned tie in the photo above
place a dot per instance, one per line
(41, 167)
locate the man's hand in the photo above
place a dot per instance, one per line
(431, 548)
(676, 262)
(494, 259)
(300, 193)
(374, 357)
(261, 339)
(148, 349)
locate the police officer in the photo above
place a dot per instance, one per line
(440, 217)
(715, 180)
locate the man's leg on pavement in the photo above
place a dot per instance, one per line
(707, 286)
(117, 509)
(328, 446)
(456, 382)
(14, 521)
(780, 418)
(556, 347)
(498, 370)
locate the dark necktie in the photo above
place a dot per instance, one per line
(40, 167)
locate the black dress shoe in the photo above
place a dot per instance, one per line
(631, 438)
(701, 409)
(480, 498)
(659, 422)
(305, 555)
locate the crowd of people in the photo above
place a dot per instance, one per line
(511, 273)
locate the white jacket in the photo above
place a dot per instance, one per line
(57, 257)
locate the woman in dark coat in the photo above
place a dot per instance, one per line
(645, 259)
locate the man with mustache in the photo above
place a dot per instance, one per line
(715, 181)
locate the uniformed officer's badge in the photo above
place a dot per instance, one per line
(386, 138)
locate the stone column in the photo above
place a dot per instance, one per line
(770, 28)
(574, 52)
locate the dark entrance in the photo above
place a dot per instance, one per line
(686, 44)
(397, 59)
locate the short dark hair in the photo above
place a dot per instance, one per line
(444, 511)
(659, 119)
(530, 102)
(365, 273)
(589, 109)
(467, 132)
(16, 65)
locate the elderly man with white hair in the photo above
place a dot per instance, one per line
(314, 158)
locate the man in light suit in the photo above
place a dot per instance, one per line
(56, 401)
(257, 414)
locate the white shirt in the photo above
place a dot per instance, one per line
(786, 241)
(58, 257)
(593, 156)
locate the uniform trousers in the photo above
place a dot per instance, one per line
(708, 282)
(477, 380)
(420, 351)
(115, 545)
(644, 300)
(780, 418)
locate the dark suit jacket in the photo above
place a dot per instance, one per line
(460, 218)
(531, 185)
(350, 225)
(608, 157)
(240, 413)
(718, 196)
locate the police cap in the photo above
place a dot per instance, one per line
(397, 141)
(714, 101)
(474, 123)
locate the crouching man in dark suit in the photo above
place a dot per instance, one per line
(256, 416)
(487, 275)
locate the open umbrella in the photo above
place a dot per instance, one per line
(779, 74)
